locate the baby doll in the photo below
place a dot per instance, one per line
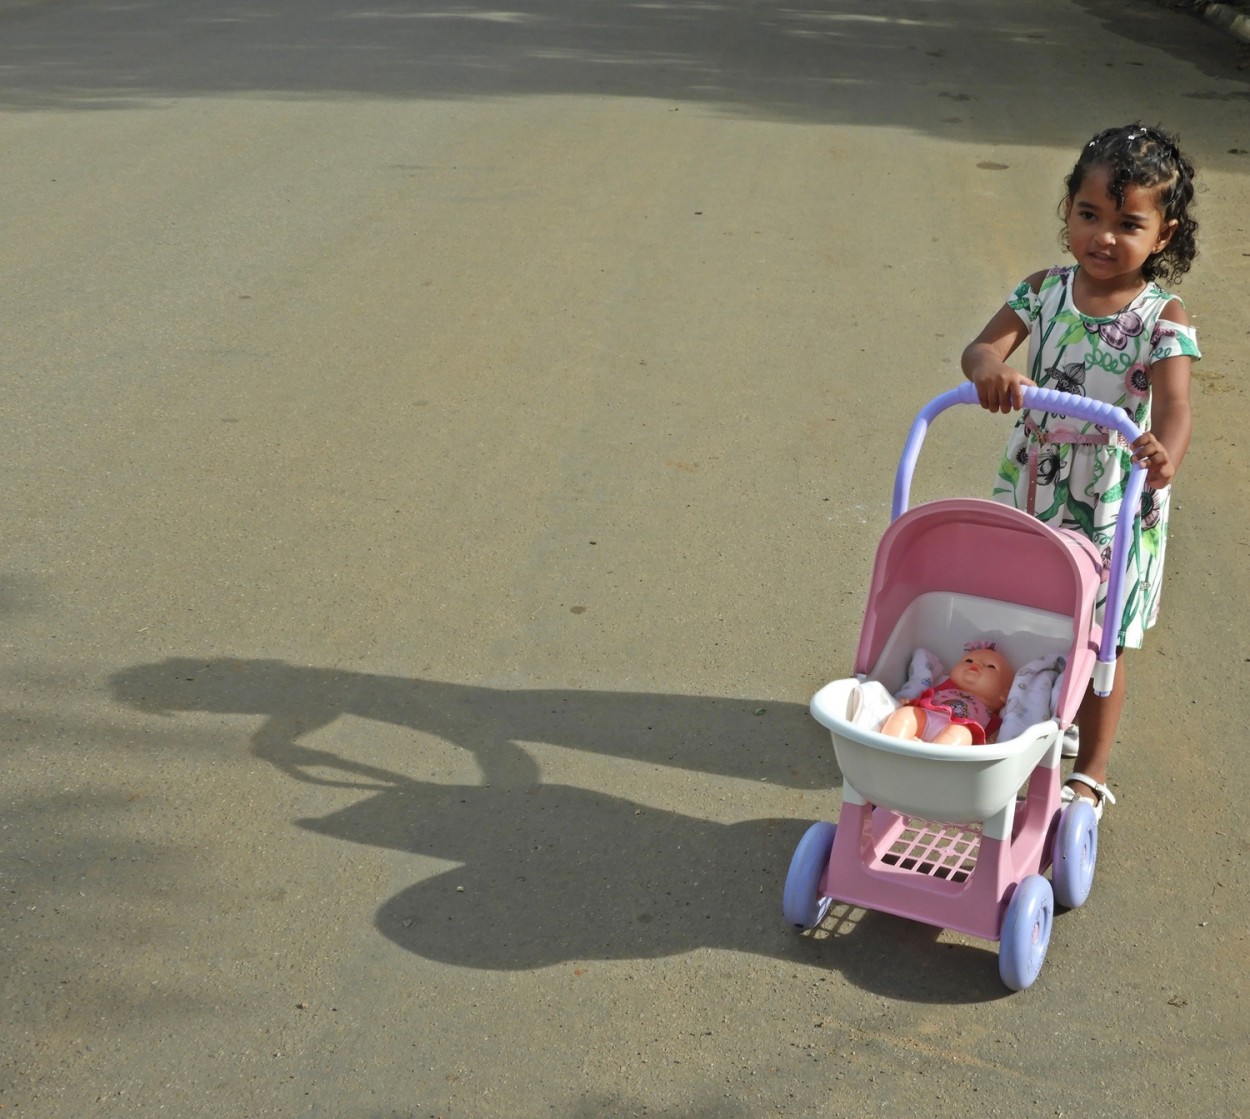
(963, 709)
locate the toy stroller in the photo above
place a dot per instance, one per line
(942, 834)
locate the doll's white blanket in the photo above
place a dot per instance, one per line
(1033, 697)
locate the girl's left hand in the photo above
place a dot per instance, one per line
(1160, 469)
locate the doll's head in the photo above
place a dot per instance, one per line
(984, 672)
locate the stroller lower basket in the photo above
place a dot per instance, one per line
(945, 851)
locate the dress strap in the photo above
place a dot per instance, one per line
(1039, 438)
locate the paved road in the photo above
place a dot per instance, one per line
(443, 451)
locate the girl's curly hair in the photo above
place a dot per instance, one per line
(1138, 155)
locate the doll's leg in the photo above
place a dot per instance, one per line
(905, 722)
(954, 735)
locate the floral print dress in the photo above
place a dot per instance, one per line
(1072, 474)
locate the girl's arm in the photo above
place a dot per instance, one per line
(1171, 419)
(984, 362)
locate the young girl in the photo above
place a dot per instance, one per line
(1103, 328)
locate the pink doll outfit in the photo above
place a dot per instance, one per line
(945, 703)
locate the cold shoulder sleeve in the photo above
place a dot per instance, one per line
(1025, 302)
(1173, 339)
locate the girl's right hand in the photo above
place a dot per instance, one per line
(984, 362)
(999, 387)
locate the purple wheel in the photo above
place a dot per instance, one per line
(1075, 853)
(801, 902)
(1026, 932)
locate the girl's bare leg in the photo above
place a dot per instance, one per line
(1099, 718)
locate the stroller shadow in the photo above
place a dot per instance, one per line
(547, 872)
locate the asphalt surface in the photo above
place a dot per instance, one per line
(444, 448)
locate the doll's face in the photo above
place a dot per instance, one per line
(985, 673)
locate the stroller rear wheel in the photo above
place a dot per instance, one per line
(1076, 851)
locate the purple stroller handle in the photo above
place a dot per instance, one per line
(1091, 411)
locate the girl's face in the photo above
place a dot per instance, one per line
(1111, 242)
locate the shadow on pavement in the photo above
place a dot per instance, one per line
(548, 872)
(1163, 25)
(906, 63)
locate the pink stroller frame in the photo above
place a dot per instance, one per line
(941, 834)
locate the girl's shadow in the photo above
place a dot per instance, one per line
(550, 872)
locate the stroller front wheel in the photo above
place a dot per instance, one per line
(1026, 932)
(801, 901)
